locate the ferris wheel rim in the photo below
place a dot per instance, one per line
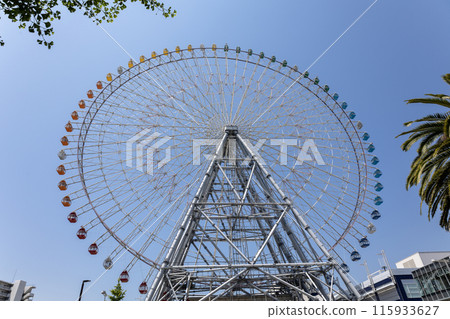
(362, 187)
(295, 80)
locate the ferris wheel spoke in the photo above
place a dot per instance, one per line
(316, 167)
(307, 204)
(159, 102)
(188, 106)
(255, 102)
(131, 238)
(273, 150)
(171, 98)
(323, 191)
(188, 71)
(297, 193)
(151, 194)
(208, 85)
(247, 87)
(296, 93)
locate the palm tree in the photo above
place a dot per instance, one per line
(431, 167)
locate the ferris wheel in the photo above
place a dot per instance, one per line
(139, 151)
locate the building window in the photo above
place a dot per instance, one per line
(412, 288)
(409, 264)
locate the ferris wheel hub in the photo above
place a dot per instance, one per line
(231, 129)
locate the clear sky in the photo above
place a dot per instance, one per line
(398, 50)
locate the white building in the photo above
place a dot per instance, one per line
(17, 291)
(421, 259)
(412, 279)
(391, 285)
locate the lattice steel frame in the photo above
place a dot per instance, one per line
(222, 278)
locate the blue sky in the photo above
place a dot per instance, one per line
(398, 50)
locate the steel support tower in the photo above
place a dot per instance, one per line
(243, 239)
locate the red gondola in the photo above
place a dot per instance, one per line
(143, 289)
(93, 249)
(81, 233)
(72, 217)
(124, 277)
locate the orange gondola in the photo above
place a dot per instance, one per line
(61, 170)
(69, 127)
(64, 141)
(74, 115)
(62, 185)
(66, 201)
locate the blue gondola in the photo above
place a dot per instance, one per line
(335, 96)
(345, 267)
(375, 214)
(355, 256)
(378, 187)
(364, 242)
(375, 160)
(344, 105)
(370, 148)
(365, 136)
(377, 173)
(378, 201)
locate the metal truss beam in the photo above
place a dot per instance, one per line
(246, 244)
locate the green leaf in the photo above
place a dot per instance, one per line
(37, 15)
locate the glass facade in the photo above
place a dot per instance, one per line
(412, 288)
(434, 280)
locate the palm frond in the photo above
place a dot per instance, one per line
(438, 101)
(431, 167)
(424, 126)
(441, 96)
(446, 127)
(446, 78)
